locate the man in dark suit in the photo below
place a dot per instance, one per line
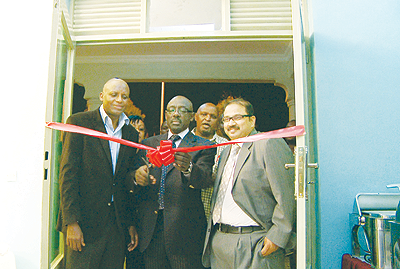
(173, 222)
(96, 215)
(253, 204)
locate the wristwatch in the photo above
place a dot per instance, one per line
(189, 169)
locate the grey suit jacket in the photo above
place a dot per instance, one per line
(263, 189)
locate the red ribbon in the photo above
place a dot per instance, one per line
(164, 154)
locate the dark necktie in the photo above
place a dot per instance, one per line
(164, 169)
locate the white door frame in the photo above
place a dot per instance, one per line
(59, 31)
(306, 244)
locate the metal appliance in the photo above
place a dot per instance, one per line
(370, 227)
(395, 239)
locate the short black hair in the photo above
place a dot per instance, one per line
(246, 104)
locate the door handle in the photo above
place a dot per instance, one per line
(310, 165)
(301, 164)
(313, 165)
(289, 165)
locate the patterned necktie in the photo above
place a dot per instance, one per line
(226, 176)
(164, 169)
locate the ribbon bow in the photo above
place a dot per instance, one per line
(163, 155)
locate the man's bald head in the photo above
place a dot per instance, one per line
(181, 100)
(179, 114)
(115, 82)
(115, 97)
(207, 120)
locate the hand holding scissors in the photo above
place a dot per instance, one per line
(142, 175)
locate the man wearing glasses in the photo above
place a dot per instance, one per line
(253, 206)
(173, 223)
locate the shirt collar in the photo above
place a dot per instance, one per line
(181, 134)
(240, 145)
(123, 119)
(253, 132)
(213, 139)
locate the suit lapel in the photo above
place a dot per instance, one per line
(98, 125)
(221, 165)
(187, 141)
(126, 134)
(243, 155)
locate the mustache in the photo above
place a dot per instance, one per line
(232, 127)
(176, 120)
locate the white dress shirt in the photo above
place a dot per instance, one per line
(181, 135)
(114, 146)
(231, 213)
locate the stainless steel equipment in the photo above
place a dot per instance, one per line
(370, 227)
(395, 239)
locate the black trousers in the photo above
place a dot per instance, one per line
(108, 252)
(134, 259)
(156, 257)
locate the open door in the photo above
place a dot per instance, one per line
(58, 109)
(306, 150)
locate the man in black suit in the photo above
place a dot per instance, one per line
(171, 212)
(95, 209)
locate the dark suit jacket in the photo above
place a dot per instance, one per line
(87, 183)
(184, 218)
(262, 188)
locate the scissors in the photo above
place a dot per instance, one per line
(149, 165)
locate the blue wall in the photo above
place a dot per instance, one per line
(357, 79)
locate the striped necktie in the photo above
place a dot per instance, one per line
(226, 178)
(164, 170)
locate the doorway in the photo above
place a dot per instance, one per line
(269, 101)
(234, 58)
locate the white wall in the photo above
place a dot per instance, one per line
(25, 45)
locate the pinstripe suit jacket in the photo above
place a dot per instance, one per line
(184, 218)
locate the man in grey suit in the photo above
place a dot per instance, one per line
(253, 206)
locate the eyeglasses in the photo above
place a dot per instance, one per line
(235, 118)
(179, 110)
